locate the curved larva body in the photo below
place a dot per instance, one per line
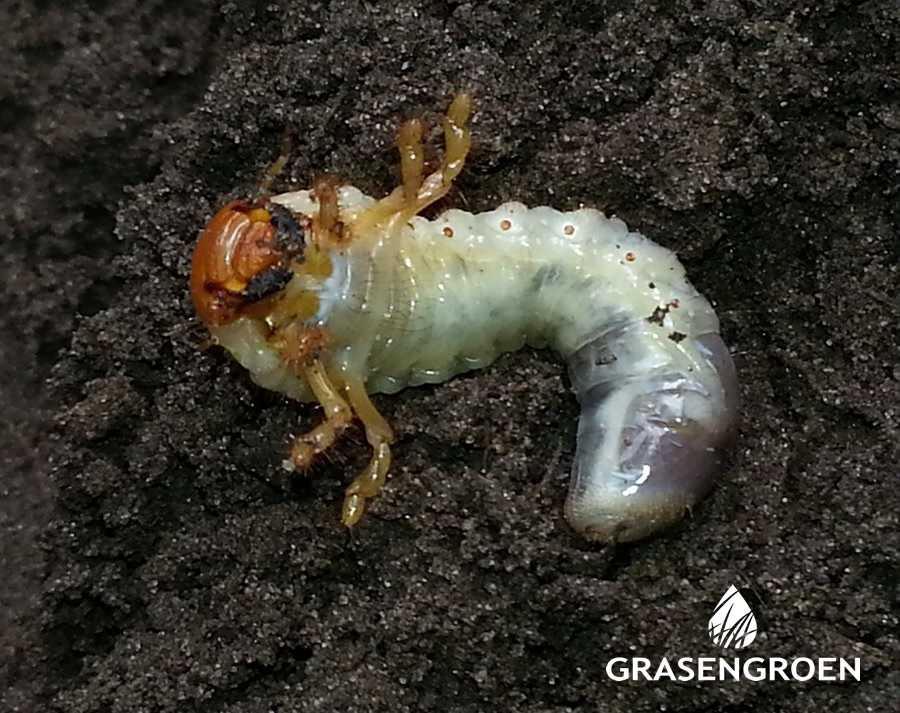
(424, 300)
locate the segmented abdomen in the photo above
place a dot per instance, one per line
(655, 381)
(452, 294)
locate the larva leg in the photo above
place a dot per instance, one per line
(403, 198)
(457, 141)
(328, 231)
(412, 158)
(379, 434)
(338, 416)
(415, 194)
(273, 171)
(457, 137)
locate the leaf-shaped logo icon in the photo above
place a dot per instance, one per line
(732, 625)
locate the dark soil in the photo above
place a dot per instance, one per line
(155, 558)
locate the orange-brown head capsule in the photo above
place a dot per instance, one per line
(241, 258)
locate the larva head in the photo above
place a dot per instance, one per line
(246, 254)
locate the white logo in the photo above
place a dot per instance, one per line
(732, 625)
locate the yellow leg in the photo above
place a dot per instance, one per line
(325, 191)
(328, 231)
(412, 164)
(457, 137)
(415, 194)
(412, 158)
(337, 417)
(457, 142)
(379, 434)
(273, 171)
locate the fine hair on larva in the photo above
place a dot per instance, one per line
(329, 295)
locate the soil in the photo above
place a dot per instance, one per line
(154, 556)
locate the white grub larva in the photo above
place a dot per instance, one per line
(329, 295)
